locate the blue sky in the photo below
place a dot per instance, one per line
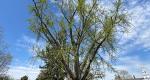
(135, 45)
(13, 20)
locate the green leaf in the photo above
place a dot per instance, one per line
(50, 23)
(61, 24)
(42, 29)
(43, 1)
(32, 28)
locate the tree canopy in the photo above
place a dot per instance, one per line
(78, 33)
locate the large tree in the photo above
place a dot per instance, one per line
(78, 32)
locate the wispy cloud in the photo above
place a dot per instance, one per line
(28, 43)
(139, 32)
(17, 72)
(28, 67)
(137, 39)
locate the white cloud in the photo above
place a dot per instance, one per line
(139, 33)
(28, 43)
(19, 71)
(133, 65)
(138, 37)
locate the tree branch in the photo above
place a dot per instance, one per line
(86, 72)
(43, 24)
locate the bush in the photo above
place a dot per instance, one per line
(5, 77)
(24, 78)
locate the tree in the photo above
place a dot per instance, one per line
(78, 32)
(45, 75)
(5, 58)
(52, 70)
(24, 78)
(123, 75)
(5, 77)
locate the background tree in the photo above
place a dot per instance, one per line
(5, 77)
(123, 75)
(24, 78)
(5, 58)
(78, 32)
